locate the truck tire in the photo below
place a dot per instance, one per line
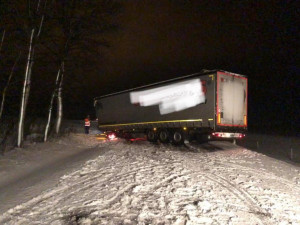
(151, 136)
(203, 138)
(177, 137)
(163, 136)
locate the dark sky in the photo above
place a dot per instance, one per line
(164, 39)
(175, 37)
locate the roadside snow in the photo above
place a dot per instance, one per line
(142, 183)
(25, 172)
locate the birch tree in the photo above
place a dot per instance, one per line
(77, 23)
(4, 91)
(66, 9)
(36, 16)
(59, 100)
(9, 55)
(25, 93)
(7, 84)
(51, 106)
(2, 40)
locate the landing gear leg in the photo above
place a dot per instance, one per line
(234, 141)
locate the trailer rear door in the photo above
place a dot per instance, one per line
(231, 107)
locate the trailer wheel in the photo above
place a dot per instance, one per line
(164, 136)
(177, 137)
(203, 138)
(151, 136)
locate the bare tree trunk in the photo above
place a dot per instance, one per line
(51, 106)
(29, 78)
(2, 40)
(59, 100)
(24, 94)
(7, 85)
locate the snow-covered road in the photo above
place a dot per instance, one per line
(24, 173)
(143, 183)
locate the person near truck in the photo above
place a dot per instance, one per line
(87, 124)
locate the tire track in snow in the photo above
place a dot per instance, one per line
(252, 204)
(255, 172)
(263, 174)
(86, 184)
(241, 193)
(146, 193)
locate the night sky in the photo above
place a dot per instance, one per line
(164, 39)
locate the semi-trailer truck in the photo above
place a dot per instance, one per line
(206, 105)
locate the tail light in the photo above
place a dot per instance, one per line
(241, 135)
(111, 136)
(216, 134)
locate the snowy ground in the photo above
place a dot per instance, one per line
(143, 183)
(26, 172)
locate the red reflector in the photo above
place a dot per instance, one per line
(241, 135)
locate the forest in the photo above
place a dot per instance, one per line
(46, 49)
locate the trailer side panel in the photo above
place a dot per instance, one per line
(117, 111)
